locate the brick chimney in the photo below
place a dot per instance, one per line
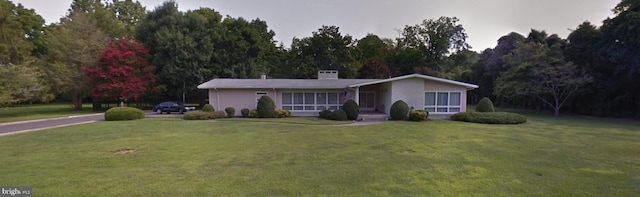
(327, 74)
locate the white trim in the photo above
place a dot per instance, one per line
(467, 85)
(448, 107)
(291, 107)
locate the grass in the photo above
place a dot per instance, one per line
(40, 111)
(290, 120)
(544, 157)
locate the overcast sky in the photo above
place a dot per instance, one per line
(484, 20)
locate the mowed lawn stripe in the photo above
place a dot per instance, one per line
(241, 158)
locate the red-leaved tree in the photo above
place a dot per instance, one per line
(122, 72)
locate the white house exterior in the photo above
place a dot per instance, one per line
(306, 97)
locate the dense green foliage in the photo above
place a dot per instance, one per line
(123, 113)
(399, 110)
(281, 113)
(266, 107)
(485, 105)
(254, 113)
(325, 114)
(339, 115)
(196, 115)
(208, 108)
(245, 112)
(203, 115)
(594, 64)
(352, 109)
(231, 112)
(490, 117)
(418, 115)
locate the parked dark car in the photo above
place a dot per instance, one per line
(170, 106)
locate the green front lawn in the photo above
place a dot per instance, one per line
(173, 157)
(40, 111)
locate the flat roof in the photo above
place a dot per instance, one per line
(228, 83)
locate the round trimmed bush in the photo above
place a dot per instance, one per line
(245, 112)
(485, 105)
(418, 115)
(266, 107)
(281, 113)
(123, 113)
(352, 109)
(231, 112)
(399, 110)
(338, 115)
(490, 117)
(254, 113)
(325, 114)
(208, 108)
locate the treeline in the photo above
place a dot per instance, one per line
(590, 72)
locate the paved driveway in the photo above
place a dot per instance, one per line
(24, 126)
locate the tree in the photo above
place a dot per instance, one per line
(540, 71)
(458, 66)
(181, 46)
(326, 49)
(128, 13)
(22, 83)
(75, 45)
(15, 47)
(104, 18)
(620, 46)
(123, 72)
(371, 47)
(435, 39)
(374, 69)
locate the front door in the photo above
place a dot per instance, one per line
(367, 101)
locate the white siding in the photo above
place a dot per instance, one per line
(408, 90)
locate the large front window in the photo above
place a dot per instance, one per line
(442, 102)
(312, 101)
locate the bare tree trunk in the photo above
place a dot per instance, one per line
(76, 100)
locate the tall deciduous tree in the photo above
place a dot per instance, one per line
(435, 39)
(540, 71)
(374, 69)
(23, 84)
(326, 49)
(75, 45)
(123, 72)
(16, 31)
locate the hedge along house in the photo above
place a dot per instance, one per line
(307, 97)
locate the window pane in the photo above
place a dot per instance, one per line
(308, 108)
(321, 108)
(430, 109)
(333, 98)
(297, 98)
(297, 107)
(287, 107)
(321, 98)
(443, 99)
(454, 99)
(454, 109)
(430, 99)
(286, 98)
(308, 98)
(333, 108)
(441, 109)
